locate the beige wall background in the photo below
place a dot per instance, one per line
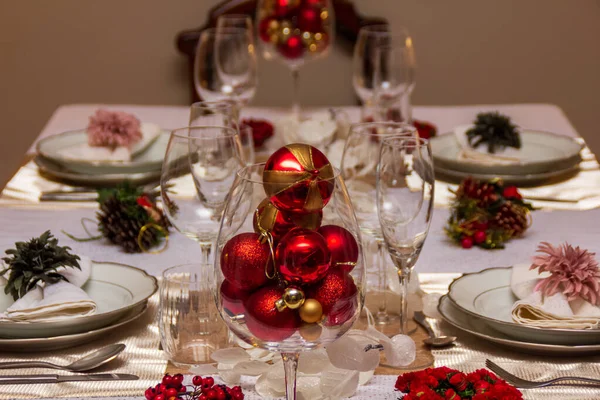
(54, 52)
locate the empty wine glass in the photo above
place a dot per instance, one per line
(405, 189)
(295, 32)
(359, 169)
(287, 283)
(235, 21)
(225, 65)
(223, 113)
(199, 167)
(394, 78)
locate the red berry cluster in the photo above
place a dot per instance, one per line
(172, 388)
(444, 383)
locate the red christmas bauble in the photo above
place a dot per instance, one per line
(283, 8)
(337, 294)
(302, 257)
(264, 320)
(265, 30)
(342, 245)
(292, 48)
(298, 178)
(244, 261)
(267, 218)
(233, 298)
(309, 19)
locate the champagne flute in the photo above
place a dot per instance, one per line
(405, 189)
(294, 32)
(359, 169)
(199, 167)
(241, 21)
(225, 65)
(223, 113)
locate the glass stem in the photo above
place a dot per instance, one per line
(206, 252)
(404, 277)
(290, 365)
(406, 109)
(382, 315)
(295, 93)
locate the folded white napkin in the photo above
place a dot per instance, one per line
(56, 301)
(86, 152)
(480, 154)
(534, 309)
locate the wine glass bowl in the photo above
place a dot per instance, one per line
(288, 281)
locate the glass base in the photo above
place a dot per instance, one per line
(193, 354)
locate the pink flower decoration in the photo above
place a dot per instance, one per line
(575, 272)
(113, 129)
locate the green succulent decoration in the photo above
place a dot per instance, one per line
(34, 261)
(495, 130)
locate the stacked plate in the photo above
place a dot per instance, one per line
(543, 157)
(480, 304)
(144, 167)
(121, 294)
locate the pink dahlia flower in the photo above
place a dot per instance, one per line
(574, 272)
(113, 129)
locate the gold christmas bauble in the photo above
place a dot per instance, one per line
(293, 297)
(310, 332)
(311, 311)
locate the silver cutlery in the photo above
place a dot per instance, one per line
(23, 379)
(525, 384)
(433, 340)
(85, 363)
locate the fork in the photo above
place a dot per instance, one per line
(525, 384)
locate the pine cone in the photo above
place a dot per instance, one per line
(484, 193)
(118, 226)
(512, 218)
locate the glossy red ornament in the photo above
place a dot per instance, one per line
(267, 218)
(337, 294)
(511, 192)
(233, 298)
(284, 8)
(298, 178)
(466, 242)
(342, 245)
(244, 260)
(302, 257)
(309, 20)
(264, 320)
(479, 237)
(264, 29)
(292, 47)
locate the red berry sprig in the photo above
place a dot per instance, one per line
(172, 388)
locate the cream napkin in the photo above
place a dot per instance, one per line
(535, 310)
(56, 301)
(480, 155)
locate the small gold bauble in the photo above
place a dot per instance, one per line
(311, 311)
(310, 332)
(293, 297)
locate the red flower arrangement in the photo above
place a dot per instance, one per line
(444, 383)
(261, 130)
(172, 388)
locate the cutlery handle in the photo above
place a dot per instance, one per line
(26, 364)
(22, 379)
(419, 317)
(573, 379)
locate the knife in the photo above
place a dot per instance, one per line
(22, 379)
(69, 196)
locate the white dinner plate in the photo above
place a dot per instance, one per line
(116, 289)
(540, 152)
(55, 171)
(463, 321)
(145, 159)
(28, 345)
(486, 296)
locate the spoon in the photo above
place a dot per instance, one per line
(85, 363)
(432, 340)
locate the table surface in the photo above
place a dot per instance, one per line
(438, 255)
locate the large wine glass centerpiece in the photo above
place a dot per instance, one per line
(294, 32)
(289, 266)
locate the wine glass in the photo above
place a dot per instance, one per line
(405, 189)
(288, 282)
(223, 113)
(359, 169)
(241, 21)
(225, 65)
(199, 167)
(295, 32)
(394, 78)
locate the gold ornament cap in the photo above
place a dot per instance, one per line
(293, 298)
